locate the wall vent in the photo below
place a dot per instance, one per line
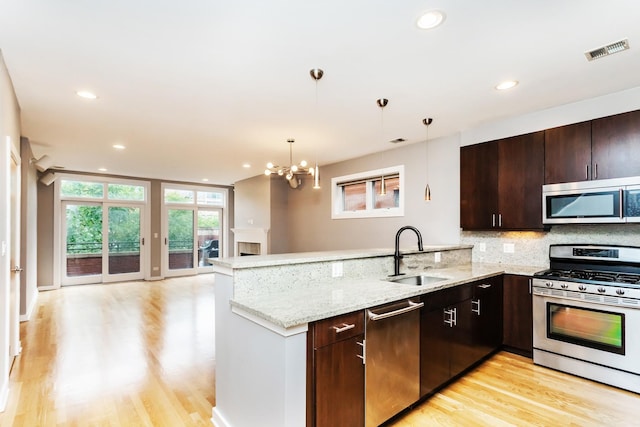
(607, 50)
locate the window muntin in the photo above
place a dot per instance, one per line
(358, 195)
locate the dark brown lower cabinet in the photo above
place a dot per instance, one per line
(335, 389)
(518, 317)
(459, 327)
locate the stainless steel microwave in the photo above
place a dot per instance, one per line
(592, 202)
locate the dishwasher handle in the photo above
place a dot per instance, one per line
(412, 306)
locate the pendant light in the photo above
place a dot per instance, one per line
(316, 74)
(427, 190)
(382, 102)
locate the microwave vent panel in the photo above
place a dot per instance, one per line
(607, 50)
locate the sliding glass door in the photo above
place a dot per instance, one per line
(192, 229)
(102, 243)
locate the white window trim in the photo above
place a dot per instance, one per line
(337, 208)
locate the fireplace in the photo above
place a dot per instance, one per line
(250, 241)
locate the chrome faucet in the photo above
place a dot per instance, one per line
(396, 255)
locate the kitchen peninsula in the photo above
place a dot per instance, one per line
(264, 304)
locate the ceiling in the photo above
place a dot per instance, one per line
(196, 89)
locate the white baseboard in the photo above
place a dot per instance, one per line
(48, 287)
(153, 278)
(217, 419)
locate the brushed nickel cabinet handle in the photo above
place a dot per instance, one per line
(345, 327)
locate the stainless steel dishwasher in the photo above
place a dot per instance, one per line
(392, 368)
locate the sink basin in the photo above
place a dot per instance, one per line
(416, 280)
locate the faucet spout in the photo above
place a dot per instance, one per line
(396, 255)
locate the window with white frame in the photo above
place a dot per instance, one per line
(360, 195)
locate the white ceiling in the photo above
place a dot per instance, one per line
(194, 89)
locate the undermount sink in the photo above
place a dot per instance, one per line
(420, 280)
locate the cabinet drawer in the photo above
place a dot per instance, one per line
(334, 329)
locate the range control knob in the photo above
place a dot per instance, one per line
(564, 286)
(602, 290)
(582, 287)
(549, 284)
(620, 291)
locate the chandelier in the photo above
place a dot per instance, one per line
(291, 172)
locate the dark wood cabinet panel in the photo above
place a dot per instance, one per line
(567, 153)
(501, 184)
(335, 371)
(434, 351)
(478, 186)
(520, 180)
(615, 146)
(486, 306)
(518, 316)
(459, 333)
(339, 381)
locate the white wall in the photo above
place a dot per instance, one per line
(9, 139)
(311, 227)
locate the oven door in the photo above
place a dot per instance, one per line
(592, 332)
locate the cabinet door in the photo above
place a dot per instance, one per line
(518, 316)
(567, 153)
(434, 351)
(616, 146)
(462, 354)
(478, 186)
(339, 381)
(486, 306)
(520, 179)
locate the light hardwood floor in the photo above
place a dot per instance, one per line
(142, 354)
(126, 354)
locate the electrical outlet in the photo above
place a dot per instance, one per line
(336, 269)
(508, 248)
(482, 247)
(437, 257)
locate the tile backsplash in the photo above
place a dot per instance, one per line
(532, 248)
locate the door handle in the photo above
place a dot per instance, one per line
(142, 241)
(17, 269)
(475, 309)
(412, 306)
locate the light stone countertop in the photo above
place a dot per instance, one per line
(297, 307)
(241, 262)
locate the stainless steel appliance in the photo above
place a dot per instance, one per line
(392, 360)
(588, 202)
(586, 313)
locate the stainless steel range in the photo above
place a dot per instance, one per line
(586, 313)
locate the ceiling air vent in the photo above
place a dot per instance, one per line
(397, 140)
(609, 49)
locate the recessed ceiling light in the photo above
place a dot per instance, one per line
(430, 19)
(102, 169)
(86, 94)
(507, 84)
(205, 179)
(246, 165)
(119, 146)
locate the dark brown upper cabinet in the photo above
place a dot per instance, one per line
(567, 153)
(501, 184)
(603, 148)
(615, 146)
